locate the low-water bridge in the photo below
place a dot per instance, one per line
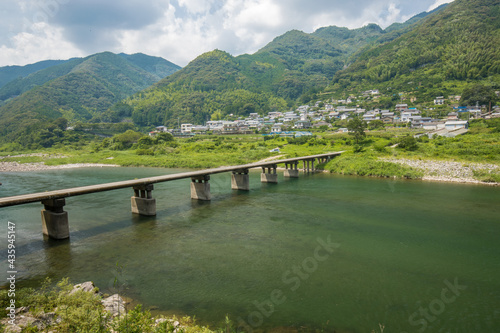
(55, 220)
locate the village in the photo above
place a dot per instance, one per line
(325, 115)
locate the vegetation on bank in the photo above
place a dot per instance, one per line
(368, 165)
(57, 308)
(363, 149)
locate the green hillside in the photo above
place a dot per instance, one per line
(458, 45)
(11, 73)
(23, 84)
(291, 69)
(82, 90)
(156, 66)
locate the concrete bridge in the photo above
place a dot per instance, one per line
(55, 220)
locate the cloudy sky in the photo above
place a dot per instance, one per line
(177, 30)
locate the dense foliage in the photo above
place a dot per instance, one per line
(78, 90)
(293, 68)
(459, 43)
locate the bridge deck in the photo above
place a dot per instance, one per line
(70, 192)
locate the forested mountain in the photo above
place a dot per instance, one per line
(11, 73)
(291, 69)
(156, 66)
(79, 89)
(458, 45)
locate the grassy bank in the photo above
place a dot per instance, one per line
(481, 145)
(368, 165)
(57, 308)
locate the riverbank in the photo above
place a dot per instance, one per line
(427, 170)
(451, 171)
(41, 166)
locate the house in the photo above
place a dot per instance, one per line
(322, 123)
(433, 125)
(301, 124)
(407, 115)
(387, 117)
(276, 128)
(199, 128)
(342, 130)
(456, 124)
(161, 128)
(230, 128)
(452, 116)
(439, 100)
(401, 107)
(186, 128)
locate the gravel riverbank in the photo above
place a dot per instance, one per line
(448, 171)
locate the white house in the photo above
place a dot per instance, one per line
(186, 128)
(439, 100)
(456, 124)
(161, 128)
(276, 128)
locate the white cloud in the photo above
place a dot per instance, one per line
(438, 3)
(44, 42)
(178, 30)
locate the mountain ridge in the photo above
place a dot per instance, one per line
(81, 90)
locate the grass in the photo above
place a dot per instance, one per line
(83, 312)
(482, 144)
(368, 165)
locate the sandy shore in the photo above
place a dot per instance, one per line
(448, 171)
(21, 167)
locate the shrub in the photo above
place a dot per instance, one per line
(408, 143)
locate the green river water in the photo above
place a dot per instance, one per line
(324, 252)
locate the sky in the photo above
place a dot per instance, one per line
(177, 30)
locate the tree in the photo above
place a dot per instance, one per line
(408, 143)
(375, 124)
(478, 93)
(357, 128)
(163, 137)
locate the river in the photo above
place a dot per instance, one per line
(325, 252)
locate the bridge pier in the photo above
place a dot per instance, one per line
(200, 188)
(54, 219)
(240, 180)
(143, 202)
(271, 176)
(293, 171)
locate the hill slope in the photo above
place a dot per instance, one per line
(459, 44)
(11, 73)
(156, 66)
(82, 89)
(290, 69)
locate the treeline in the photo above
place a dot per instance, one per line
(462, 42)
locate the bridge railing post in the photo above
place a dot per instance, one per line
(200, 188)
(55, 222)
(143, 202)
(240, 180)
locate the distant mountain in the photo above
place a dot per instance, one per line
(11, 73)
(291, 69)
(156, 66)
(457, 45)
(79, 89)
